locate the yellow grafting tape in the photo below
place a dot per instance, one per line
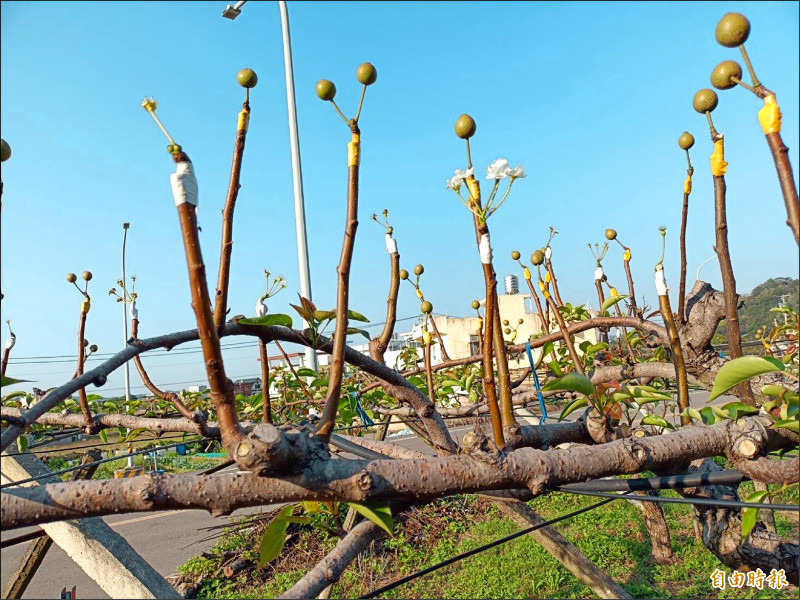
(354, 151)
(243, 122)
(547, 277)
(480, 324)
(419, 293)
(614, 292)
(770, 115)
(687, 185)
(627, 256)
(85, 306)
(474, 188)
(426, 337)
(542, 286)
(527, 272)
(718, 164)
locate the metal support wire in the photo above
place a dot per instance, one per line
(488, 546)
(669, 482)
(692, 501)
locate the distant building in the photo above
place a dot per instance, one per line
(461, 338)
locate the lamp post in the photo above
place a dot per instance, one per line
(231, 12)
(125, 226)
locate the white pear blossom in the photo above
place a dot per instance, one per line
(261, 308)
(499, 169)
(458, 178)
(517, 172)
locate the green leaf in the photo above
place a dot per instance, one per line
(657, 421)
(103, 435)
(4, 381)
(692, 413)
(377, 512)
(354, 330)
(579, 403)
(324, 315)
(307, 315)
(299, 520)
(790, 424)
(708, 415)
(737, 409)
(276, 319)
(595, 348)
(611, 301)
(547, 348)
(22, 443)
(16, 394)
(274, 536)
(351, 314)
(306, 372)
(750, 514)
(572, 382)
(134, 434)
(741, 369)
(555, 367)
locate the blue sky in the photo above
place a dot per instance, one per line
(590, 97)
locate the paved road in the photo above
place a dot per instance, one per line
(165, 539)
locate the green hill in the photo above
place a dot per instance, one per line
(757, 303)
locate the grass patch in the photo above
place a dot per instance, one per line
(612, 536)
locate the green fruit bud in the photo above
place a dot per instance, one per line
(515, 255)
(403, 274)
(93, 348)
(722, 73)
(326, 90)
(520, 321)
(465, 127)
(426, 307)
(476, 305)
(419, 270)
(100, 380)
(72, 278)
(507, 330)
(705, 101)
(367, 73)
(537, 258)
(611, 234)
(87, 275)
(686, 140)
(505, 321)
(733, 30)
(5, 151)
(85, 343)
(247, 78)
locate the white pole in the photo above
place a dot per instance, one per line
(125, 329)
(297, 176)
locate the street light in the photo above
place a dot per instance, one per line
(125, 328)
(231, 12)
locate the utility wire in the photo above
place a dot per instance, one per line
(485, 547)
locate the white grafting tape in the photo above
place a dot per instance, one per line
(133, 312)
(661, 283)
(598, 273)
(485, 249)
(184, 184)
(391, 244)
